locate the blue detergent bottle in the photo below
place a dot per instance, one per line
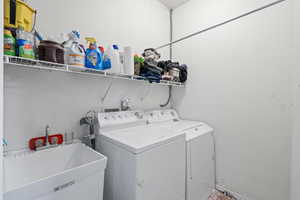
(94, 57)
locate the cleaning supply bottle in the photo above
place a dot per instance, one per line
(25, 43)
(114, 55)
(9, 43)
(74, 54)
(93, 57)
(106, 60)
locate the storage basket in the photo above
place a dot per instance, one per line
(18, 14)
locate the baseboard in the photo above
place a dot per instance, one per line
(237, 195)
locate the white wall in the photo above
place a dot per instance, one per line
(295, 175)
(240, 83)
(35, 98)
(137, 23)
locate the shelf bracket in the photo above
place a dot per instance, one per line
(6, 59)
(107, 91)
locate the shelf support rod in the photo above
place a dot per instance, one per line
(107, 91)
(221, 24)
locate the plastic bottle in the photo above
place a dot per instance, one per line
(106, 60)
(9, 43)
(93, 57)
(74, 52)
(25, 43)
(114, 55)
(110, 54)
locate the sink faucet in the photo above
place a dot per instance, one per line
(47, 144)
(47, 135)
(125, 104)
(4, 147)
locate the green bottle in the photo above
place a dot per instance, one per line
(9, 43)
(24, 43)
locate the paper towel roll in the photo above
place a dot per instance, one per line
(128, 61)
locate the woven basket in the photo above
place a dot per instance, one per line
(219, 196)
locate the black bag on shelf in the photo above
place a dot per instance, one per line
(183, 73)
(168, 65)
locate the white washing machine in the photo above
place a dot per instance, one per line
(145, 162)
(200, 152)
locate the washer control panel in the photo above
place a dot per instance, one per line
(119, 118)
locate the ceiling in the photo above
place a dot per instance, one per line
(173, 3)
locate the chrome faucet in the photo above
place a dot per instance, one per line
(47, 144)
(47, 135)
(5, 152)
(125, 104)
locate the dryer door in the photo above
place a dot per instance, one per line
(161, 172)
(200, 167)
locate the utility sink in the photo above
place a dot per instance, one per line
(67, 172)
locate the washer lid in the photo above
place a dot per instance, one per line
(180, 125)
(198, 131)
(191, 129)
(142, 138)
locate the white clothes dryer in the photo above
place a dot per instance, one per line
(200, 151)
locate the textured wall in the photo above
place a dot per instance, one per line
(240, 83)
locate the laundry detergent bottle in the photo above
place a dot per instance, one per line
(9, 43)
(75, 54)
(93, 57)
(106, 62)
(25, 44)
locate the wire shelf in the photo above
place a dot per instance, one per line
(49, 66)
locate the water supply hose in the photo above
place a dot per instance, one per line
(169, 98)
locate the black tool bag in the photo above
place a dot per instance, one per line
(168, 65)
(183, 73)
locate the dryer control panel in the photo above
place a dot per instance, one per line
(161, 115)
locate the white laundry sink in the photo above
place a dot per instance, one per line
(73, 172)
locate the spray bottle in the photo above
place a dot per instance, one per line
(74, 52)
(93, 58)
(114, 55)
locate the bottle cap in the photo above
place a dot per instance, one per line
(91, 39)
(76, 33)
(101, 49)
(115, 47)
